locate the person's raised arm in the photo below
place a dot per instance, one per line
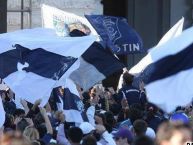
(47, 121)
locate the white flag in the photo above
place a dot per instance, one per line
(175, 31)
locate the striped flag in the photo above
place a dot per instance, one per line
(175, 31)
(72, 104)
(94, 66)
(38, 60)
(170, 80)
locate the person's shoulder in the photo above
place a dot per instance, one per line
(131, 89)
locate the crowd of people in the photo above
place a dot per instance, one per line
(122, 117)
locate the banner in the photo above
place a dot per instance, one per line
(63, 22)
(117, 34)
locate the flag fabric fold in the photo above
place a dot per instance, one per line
(170, 80)
(72, 104)
(175, 31)
(39, 60)
(116, 34)
(94, 66)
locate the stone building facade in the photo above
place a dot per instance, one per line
(79, 7)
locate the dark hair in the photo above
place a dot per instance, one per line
(19, 112)
(137, 106)
(123, 115)
(86, 100)
(143, 140)
(76, 33)
(89, 140)
(75, 134)
(41, 129)
(110, 121)
(140, 127)
(128, 78)
(115, 109)
(9, 121)
(38, 119)
(21, 125)
(109, 118)
(135, 114)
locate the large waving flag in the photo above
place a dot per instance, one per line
(94, 66)
(170, 80)
(175, 31)
(116, 34)
(38, 60)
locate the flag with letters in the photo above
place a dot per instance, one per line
(116, 34)
(94, 66)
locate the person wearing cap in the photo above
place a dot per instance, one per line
(75, 135)
(179, 117)
(123, 137)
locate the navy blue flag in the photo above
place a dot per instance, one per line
(33, 73)
(72, 105)
(69, 102)
(39, 61)
(116, 34)
(95, 65)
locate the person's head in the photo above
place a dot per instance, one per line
(31, 133)
(150, 133)
(127, 78)
(41, 129)
(109, 117)
(79, 26)
(89, 140)
(173, 133)
(94, 95)
(13, 138)
(60, 91)
(123, 136)
(21, 125)
(143, 140)
(9, 121)
(135, 114)
(75, 135)
(140, 127)
(38, 119)
(115, 109)
(179, 117)
(19, 113)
